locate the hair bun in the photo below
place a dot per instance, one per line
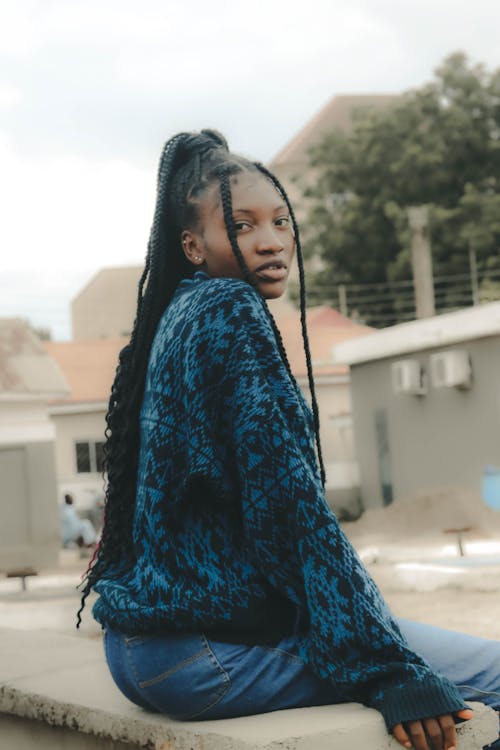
(217, 137)
(200, 144)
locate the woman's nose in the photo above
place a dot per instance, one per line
(270, 242)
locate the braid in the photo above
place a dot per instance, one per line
(305, 337)
(225, 190)
(164, 267)
(227, 208)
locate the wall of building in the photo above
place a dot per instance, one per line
(29, 517)
(333, 394)
(71, 427)
(106, 307)
(445, 438)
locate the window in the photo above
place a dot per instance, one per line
(89, 457)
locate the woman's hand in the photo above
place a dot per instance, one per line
(431, 734)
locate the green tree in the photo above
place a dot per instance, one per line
(437, 145)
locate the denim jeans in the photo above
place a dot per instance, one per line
(194, 677)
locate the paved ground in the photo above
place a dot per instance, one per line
(429, 583)
(467, 600)
(50, 601)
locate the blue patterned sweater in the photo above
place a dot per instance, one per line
(231, 521)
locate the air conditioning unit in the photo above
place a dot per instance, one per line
(451, 369)
(409, 377)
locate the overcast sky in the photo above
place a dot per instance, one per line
(90, 90)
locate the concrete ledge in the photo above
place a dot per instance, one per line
(56, 693)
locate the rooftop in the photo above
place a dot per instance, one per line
(338, 114)
(120, 275)
(89, 366)
(26, 369)
(326, 328)
(440, 330)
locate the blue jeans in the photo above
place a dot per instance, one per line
(194, 677)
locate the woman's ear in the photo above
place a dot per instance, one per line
(192, 247)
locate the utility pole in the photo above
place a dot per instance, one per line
(343, 300)
(421, 259)
(473, 275)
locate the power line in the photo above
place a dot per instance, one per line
(380, 285)
(396, 318)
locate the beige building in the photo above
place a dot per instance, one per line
(106, 305)
(78, 418)
(29, 518)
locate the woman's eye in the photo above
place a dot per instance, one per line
(283, 221)
(241, 225)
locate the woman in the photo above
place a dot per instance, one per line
(226, 586)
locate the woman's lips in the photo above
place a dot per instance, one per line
(270, 273)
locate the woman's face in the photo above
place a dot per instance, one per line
(263, 229)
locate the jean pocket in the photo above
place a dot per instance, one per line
(178, 675)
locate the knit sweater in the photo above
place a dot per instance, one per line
(231, 517)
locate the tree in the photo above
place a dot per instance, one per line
(438, 145)
(42, 332)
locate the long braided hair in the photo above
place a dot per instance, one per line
(189, 164)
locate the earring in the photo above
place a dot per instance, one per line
(197, 258)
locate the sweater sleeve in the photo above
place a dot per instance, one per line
(295, 540)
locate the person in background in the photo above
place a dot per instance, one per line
(75, 530)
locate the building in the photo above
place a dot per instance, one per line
(29, 517)
(78, 416)
(426, 403)
(106, 305)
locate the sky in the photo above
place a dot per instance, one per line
(91, 89)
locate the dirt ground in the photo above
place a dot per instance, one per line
(473, 612)
(417, 529)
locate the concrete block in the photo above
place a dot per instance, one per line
(57, 682)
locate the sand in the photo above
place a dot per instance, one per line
(412, 529)
(427, 514)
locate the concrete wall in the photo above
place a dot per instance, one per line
(29, 518)
(25, 420)
(444, 438)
